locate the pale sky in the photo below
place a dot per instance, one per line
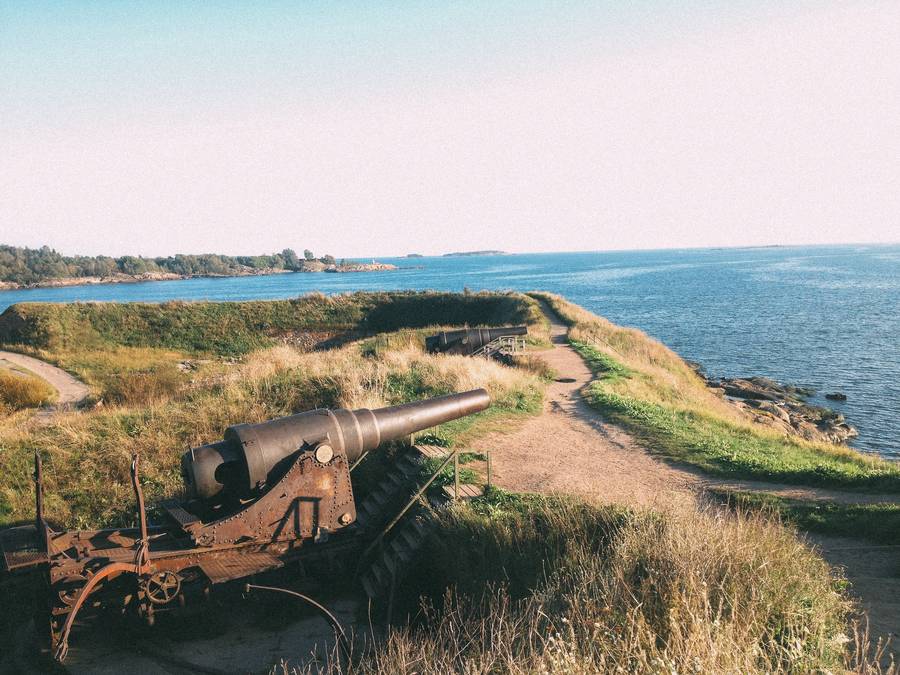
(372, 129)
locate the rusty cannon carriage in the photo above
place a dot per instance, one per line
(490, 342)
(266, 495)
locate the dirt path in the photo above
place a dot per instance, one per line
(70, 390)
(801, 492)
(570, 449)
(874, 575)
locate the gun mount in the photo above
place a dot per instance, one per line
(266, 495)
(467, 341)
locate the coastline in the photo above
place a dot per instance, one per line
(171, 276)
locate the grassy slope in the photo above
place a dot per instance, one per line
(879, 523)
(236, 328)
(651, 391)
(154, 407)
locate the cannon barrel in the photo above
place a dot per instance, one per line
(251, 455)
(469, 340)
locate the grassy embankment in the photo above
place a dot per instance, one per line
(175, 375)
(652, 392)
(879, 523)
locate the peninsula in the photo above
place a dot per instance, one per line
(45, 267)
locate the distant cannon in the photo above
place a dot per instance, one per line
(265, 495)
(468, 341)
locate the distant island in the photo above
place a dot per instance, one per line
(44, 267)
(458, 254)
(414, 255)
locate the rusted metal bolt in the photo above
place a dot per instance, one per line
(324, 453)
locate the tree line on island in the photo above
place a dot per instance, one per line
(31, 266)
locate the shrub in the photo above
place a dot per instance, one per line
(18, 391)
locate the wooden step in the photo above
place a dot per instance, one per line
(432, 451)
(466, 491)
(412, 537)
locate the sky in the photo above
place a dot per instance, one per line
(376, 129)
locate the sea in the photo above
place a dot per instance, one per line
(824, 317)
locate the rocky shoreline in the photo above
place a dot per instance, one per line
(783, 407)
(308, 267)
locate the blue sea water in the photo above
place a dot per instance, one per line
(823, 317)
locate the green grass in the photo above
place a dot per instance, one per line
(724, 448)
(236, 328)
(602, 365)
(161, 412)
(879, 523)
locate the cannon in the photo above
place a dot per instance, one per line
(468, 341)
(265, 495)
(252, 456)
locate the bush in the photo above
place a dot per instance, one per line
(18, 391)
(144, 387)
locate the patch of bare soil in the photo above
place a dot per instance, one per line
(874, 575)
(570, 449)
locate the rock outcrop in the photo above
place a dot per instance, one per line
(783, 407)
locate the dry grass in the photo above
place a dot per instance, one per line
(660, 375)
(535, 364)
(583, 589)
(21, 390)
(161, 414)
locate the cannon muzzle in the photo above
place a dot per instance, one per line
(469, 340)
(253, 455)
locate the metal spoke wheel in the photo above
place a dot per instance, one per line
(162, 587)
(68, 588)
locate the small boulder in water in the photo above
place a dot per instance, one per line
(836, 396)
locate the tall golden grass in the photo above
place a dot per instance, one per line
(586, 589)
(87, 454)
(21, 390)
(663, 377)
